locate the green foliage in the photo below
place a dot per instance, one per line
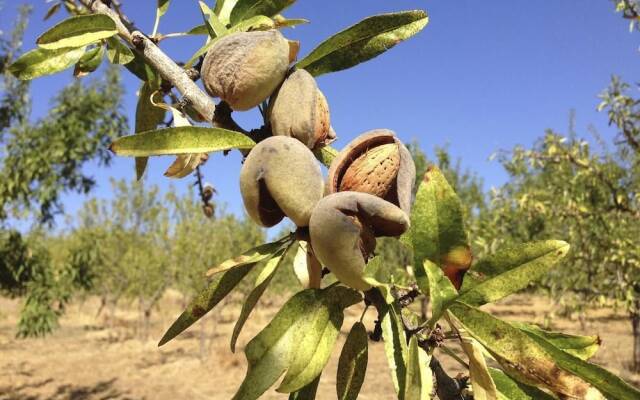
(82, 120)
(353, 363)
(181, 140)
(78, 31)
(298, 342)
(363, 41)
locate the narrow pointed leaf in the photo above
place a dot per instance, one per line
(282, 22)
(537, 362)
(419, 380)
(78, 31)
(352, 365)
(181, 140)
(52, 11)
(441, 291)
(509, 389)
(119, 53)
(437, 230)
(583, 347)
(395, 347)
(163, 7)
(211, 21)
(308, 392)
(363, 41)
(245, 9)
(198, 30)
(90, 61)
(256, 23)
(252, 256)
(223, 10)
(206, 301)
(148, 117)
(40, 62)
(262, 282)
(509, 257)
(298, 341)
(516, 278)
(481, 380)
(141, 69)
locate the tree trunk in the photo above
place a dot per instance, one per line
(635, 324)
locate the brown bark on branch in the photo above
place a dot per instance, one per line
(162, 63)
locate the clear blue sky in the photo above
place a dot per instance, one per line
(482, 76)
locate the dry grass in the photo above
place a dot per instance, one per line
(94, 358)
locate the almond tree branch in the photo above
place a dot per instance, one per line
(162, 63)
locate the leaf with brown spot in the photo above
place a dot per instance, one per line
(437, 230)
(536, 362)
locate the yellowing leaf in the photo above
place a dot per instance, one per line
(182, 140)
(78, 31)
(39, 62)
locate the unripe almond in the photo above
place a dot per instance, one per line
(280, 177)
(343, 230)
(245, 68)
(300, 110)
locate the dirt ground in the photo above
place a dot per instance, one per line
(93, 358)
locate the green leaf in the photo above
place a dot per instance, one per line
(513, 256)
(119, 53)
(536, 362)
(40, 62)
(363, 41)
(211, 21)
(441, 291)
(141, 69)
(308, 392)
(52, 11)
(245, 9)
(352, 365)
(148, 117)
(257, 23)
(252, 256)
(163, 6)
(78, 31)
(395, 346)
(509, 389)
(583, 347)
(223, 10)
(517, 277)
(282, 22)
(181, 140)
(326, 155)
(437, 230)
(419, 381)
(90, 61)
(262, 281)
(198, 30)
(297, 342)
(206, 300)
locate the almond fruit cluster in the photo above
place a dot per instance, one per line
(369, 188)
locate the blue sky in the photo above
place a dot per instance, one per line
(481, 76)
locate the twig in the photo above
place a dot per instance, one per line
(155, 57)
